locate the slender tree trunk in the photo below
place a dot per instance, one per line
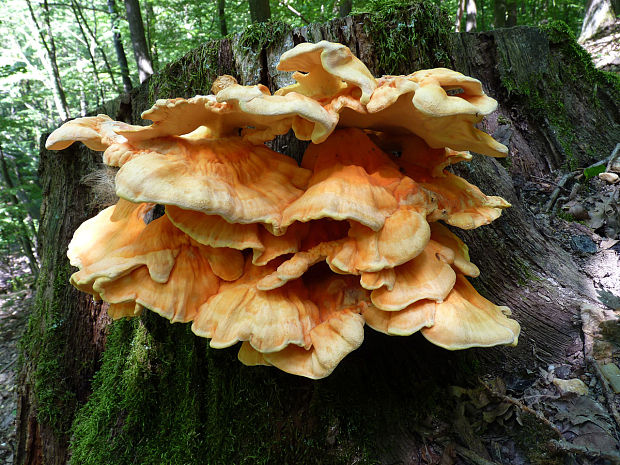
(345, 7)
(259, 11)
(511, 13)
(90, 53)
(138, 39)
(221, 15)
(50, 48)
(598, 14)
(459, 15)
(24, 237)
(152, 47)
(93, 35)
(83, 103)
(470, 18)
(499, 13)
(118, 46)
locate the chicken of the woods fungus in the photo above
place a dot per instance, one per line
(291, 260)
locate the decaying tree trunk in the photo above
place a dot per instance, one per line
(161, 395)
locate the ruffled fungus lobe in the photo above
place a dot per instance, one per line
(291, 260)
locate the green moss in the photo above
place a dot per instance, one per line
(190, 75)
(525, 274)
(533, 440)
(565, 216)
(163, 396)
(43, 345)
(581, 66)
(411, 33)
(547, 103)
(258, 36)
(144, 408)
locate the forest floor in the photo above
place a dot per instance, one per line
(15, 305)
(574, 402)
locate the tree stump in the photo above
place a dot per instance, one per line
(161, 395)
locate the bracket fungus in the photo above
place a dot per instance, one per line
(292, 261)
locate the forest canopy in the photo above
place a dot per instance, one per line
(64, 59)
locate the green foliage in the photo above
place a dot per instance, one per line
(593, 171)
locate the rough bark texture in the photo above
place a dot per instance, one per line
(65, 336)
(162, 396)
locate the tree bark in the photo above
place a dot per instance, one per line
(259, 11)
(459, 15)
(511, 13)
(118, 47)
(138, 39)
(162, 395)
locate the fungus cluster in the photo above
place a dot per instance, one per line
(292, 260)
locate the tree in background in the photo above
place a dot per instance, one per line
(259, 11)
(138, 39)
(221, 14)
(599, 15)
(467, 8)
(118, 46)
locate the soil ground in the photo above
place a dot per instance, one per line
(15, 304)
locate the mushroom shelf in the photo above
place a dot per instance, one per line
(292, 261)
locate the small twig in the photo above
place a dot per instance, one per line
(556, 191)
(613, 156)
(472, 456)
(294, 11)
(549, 182)
(523, 408)
(609, 396)
(541, 396)
(565, 446)
(7, 366)
(605, 160)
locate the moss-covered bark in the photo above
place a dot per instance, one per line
(163, 396)
(64, 338)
